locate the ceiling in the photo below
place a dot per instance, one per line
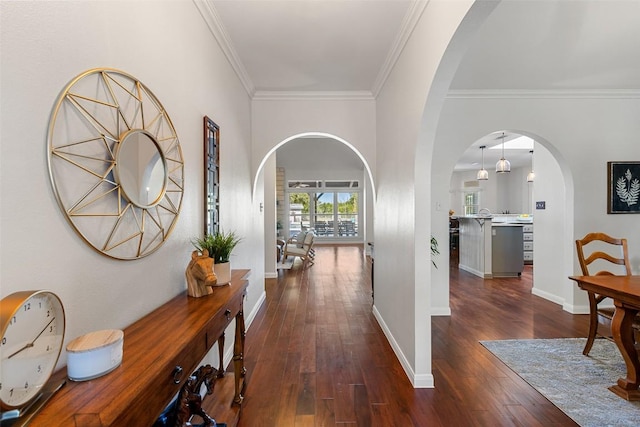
(311, 47)
(314, 45)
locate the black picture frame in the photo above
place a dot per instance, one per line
(623, 187)
(211, 176)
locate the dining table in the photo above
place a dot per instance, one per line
(625, 293)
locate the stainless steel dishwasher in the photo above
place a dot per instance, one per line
(506, 250)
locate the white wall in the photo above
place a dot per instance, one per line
(276, 120)
(409, 142)
(403, 207)
(512, 187)
(581, 133)
(269, 207)
(549, 225)
(44, 46)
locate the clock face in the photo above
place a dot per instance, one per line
(33, 327)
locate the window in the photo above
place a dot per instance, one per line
(332, 214)
(298, 212)
(347, 214)
(471, 202)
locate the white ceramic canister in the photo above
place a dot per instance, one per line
(94, 354)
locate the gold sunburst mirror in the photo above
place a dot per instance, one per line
(115, 163)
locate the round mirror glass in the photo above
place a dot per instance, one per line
(141, 168)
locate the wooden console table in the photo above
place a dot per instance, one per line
(160, 351)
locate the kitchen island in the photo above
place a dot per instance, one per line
(492, 245)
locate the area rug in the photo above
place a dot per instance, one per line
(576, 384)
(286, 264)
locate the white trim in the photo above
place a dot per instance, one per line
(440, 311)
(575, 309)
(418, 381)
(218, 31)
(544, 94)
(475, 272)
(248, 320)
(358, 95)
(314, 135)
(548, 296)
(270, 275)
(408, 25)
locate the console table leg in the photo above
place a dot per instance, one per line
(221, 356)
(238, 357)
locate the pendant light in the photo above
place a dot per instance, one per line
(483, 175)
(503, 165)
(531, 175)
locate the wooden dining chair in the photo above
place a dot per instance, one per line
(607, 255)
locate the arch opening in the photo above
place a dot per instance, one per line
(272, 151)
(336, 225)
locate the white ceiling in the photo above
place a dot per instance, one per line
(338, 46)
(555, 45)
(313, 45)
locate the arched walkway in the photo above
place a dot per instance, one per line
(270, 188)
(317, 135)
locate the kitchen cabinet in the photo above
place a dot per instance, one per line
(527, 245)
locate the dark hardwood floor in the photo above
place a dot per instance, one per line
(316, 356)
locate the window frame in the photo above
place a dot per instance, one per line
(343, 231)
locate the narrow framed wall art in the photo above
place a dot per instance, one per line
(623, 187)
(211, 176)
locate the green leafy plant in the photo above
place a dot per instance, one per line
(219, 245)
(434, 250)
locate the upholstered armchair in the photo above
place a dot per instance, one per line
(301, 247)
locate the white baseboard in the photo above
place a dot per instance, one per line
(475, 272)
(576, 309)
(418, 381)
(441, 311)
(548, 296)
(228, 354)
(254, 311)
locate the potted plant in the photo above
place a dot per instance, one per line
(219, 245)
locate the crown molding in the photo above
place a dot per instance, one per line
(218, 31)
(545, 94)
(313, 95)
(408, 25)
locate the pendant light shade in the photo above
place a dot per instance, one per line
(483, 175)
(531, 175)
(503, 164)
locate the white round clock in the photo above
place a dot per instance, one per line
(33, 326)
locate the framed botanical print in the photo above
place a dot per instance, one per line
(211, 176)
(623, 187)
